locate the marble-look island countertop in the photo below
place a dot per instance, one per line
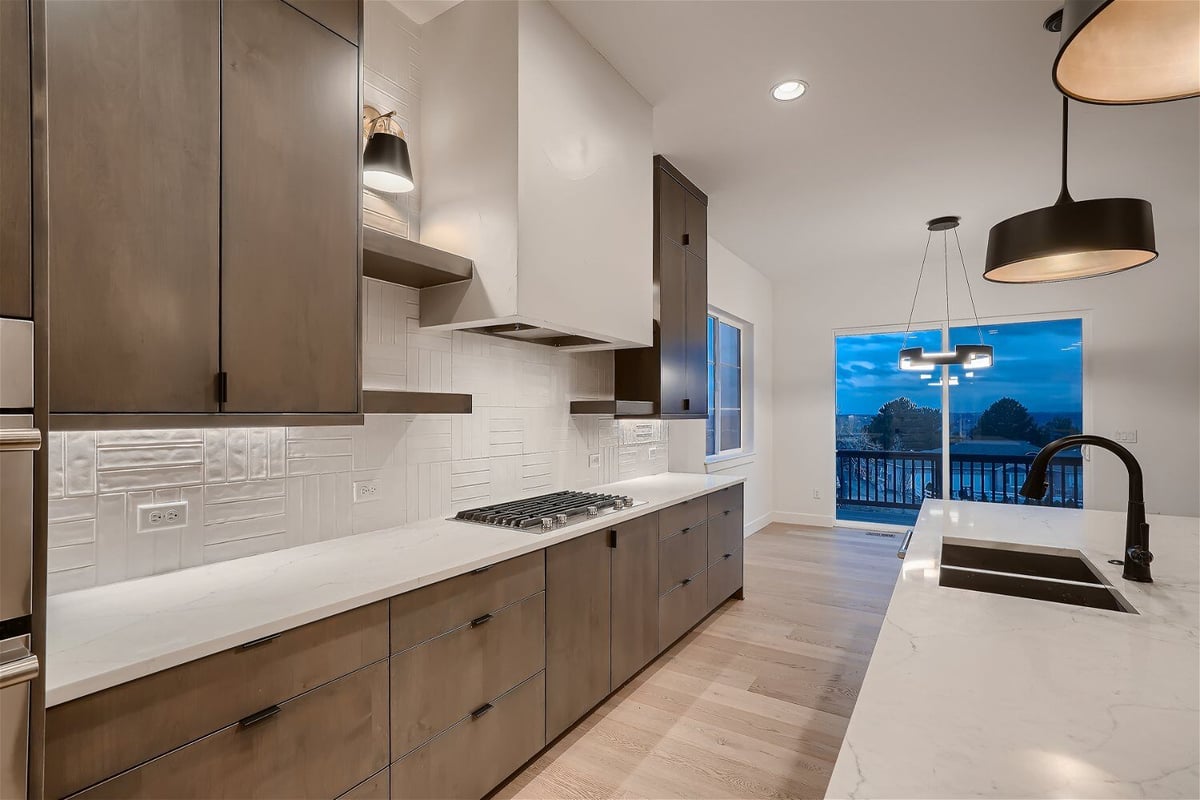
(107, 635)
(971, 694)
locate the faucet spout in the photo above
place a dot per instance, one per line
(1137, 530)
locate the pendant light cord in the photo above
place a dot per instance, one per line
(946, 274)
(967, 280)
(1064, 196)
(917, 291)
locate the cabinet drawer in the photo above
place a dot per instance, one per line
(724, 535)
(373, 788)
(97, 736)
(438, 682)
(687, 514)
(682, 556)
(726, 501)
(724, 578)
(480, 751)
(424, 613)
(318, 745)
(681, 608)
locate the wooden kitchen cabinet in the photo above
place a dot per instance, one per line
(134, 115)
(318, 745)
(204, 193)
(673, 373)
(16, 296)
(634, 597)
(578, 628)
(290, 212)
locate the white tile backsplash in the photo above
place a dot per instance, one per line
(260, 489)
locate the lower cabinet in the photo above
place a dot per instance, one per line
(634, 597)
(724, 578)
(578, 628)
(475, 754)
(320, 744)
(681, 608)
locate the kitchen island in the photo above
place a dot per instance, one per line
(972, 694)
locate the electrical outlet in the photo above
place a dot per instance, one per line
(1127, 437)
(653, 452)
(366, 491)
(162, 516)
(816, 494)
(594, 460)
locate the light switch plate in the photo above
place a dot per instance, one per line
(154, 517)
(594, 460)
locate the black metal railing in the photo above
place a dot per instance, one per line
(898, 479)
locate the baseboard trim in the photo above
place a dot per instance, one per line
(756, 525)
(795, 518)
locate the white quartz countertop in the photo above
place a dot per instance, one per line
(101, 637)
(971, 694)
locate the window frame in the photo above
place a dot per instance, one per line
(741, 450)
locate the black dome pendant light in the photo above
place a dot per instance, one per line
(1072, 238)
(1125, 52)
(968, 356)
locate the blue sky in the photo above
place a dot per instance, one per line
(1038, 363)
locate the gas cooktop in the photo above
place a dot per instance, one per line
(548, 512)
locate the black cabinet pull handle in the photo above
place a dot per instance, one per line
(483, 709)
(686, 581)
(481, 570)
(727, 555)
(612, 539)
(475, 623)
(256, 642)
(687, 403)
(728, 511)
(687, 239)
(685, 530)
(257, 717)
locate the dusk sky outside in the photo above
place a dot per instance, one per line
(1039, 364)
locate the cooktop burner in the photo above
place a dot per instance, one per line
(548, 512)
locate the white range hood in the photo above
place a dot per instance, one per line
(536, 164)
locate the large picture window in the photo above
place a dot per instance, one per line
(903, 437)
(724, 428)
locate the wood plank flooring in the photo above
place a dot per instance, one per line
(754, 702)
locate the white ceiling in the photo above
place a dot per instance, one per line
(915, 110)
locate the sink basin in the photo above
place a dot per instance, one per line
(1047, 574)
(1055, 565)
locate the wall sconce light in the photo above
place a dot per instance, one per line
(386, 165)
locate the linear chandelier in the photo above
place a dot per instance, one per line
(968, 356)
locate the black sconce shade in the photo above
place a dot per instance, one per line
(386, 166)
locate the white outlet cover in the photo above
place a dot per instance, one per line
(594, 460)
(367, 491)
(154, 517)
(653, 452)
(1127, 437)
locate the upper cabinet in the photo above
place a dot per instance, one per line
(673, 373)
(289, 212)
(204, 251)
(533, 163)
(15, 200)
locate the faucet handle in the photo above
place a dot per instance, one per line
(1139, 555)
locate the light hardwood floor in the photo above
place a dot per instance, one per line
(755, 701)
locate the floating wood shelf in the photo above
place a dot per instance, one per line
(385, 402)
(616, 408)
(408, 263)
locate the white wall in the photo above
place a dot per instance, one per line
(1142, 357)
(737, 288)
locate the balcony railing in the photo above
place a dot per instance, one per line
(898, 479)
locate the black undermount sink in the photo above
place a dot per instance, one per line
(1055, 576)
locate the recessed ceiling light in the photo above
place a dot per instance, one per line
(789, 89)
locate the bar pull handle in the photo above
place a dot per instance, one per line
(483, 709)
(20, 439)
(612, 539)
(22, 667)
(257, 717)
(258, 642)
(687, 404)
(903, 551)
(686, 581)
(727, 555)
(481, 570)
(475, 623)
(686, 240)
